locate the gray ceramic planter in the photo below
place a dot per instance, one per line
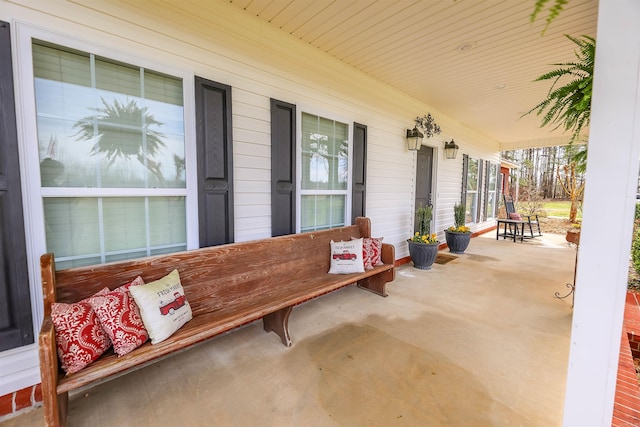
(457, 242)
(423, 255)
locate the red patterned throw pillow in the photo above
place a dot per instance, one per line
(515, 216)
(79, 337)
(372, 252)
(120, 318)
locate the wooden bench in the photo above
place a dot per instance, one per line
(227, 286)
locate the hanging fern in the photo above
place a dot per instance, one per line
(569, 106)
(554, 11)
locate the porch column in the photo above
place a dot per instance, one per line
(609, 203)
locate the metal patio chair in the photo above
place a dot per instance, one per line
(531, 221)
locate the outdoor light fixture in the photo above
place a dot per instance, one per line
(450, 150)
(414, 139)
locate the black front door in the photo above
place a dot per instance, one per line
(424, 172)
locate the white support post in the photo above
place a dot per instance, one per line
(609, 203)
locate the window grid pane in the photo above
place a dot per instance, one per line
(322, 212)
(104, 229)
(471, 202)
(96, 123)
(325, 170)
(490, 205)
(107, 124)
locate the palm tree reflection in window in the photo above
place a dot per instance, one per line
(124, 130)
(327, 164)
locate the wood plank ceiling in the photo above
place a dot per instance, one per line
(471, 59)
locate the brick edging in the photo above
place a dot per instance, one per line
(626, 407)
(20, 401)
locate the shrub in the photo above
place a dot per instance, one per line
(424, 214)
(531, 202)
(459, 214)
(635, 250)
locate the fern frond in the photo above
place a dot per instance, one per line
(536, 9)
(569, 106)
(554, 11)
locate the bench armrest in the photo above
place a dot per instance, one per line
(49, 373)
(388, 254)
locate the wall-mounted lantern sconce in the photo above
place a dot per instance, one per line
(450, 150)
(414, 139)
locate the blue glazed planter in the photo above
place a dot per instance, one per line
(457, 242)
(423, 255)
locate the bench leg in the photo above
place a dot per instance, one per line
(278, 322)
(375, 284)
(55, 410)
(63, 406)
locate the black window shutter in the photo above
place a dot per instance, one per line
(283, 168)
(465, 175)
(359, 175)
(16, 324)
(214, 148)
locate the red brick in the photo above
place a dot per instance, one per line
(625, 374)
(626, 413)
(627, 398)
(23, 398)
(633, 420)
(37, 394)
(617, 422)
(629, 389)
(628, 405)
(6, 404)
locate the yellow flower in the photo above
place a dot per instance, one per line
(425, 238)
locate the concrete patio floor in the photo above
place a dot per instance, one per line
(479, 341)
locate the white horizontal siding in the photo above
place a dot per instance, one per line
(260, 64)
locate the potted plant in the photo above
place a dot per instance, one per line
(423, 246)
(459, 235)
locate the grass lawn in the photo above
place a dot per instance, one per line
(559, 208)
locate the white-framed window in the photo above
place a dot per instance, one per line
(491, 202)
(473, 184)
(325, 164)
(111, 148)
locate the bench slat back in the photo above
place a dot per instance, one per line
(215, 276)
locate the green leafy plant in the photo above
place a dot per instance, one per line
(424, 214)
(635, 250)
(569, 106)
(459, 215)
(459, 220)
(554, 11)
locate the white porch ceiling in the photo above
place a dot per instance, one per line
(472, 60)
